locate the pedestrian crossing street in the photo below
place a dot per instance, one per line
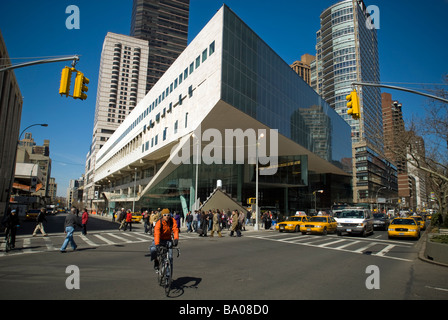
(29, 244)
(390, 249)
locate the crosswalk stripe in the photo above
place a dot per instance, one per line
(385, 250)
(365, 247)
(49, 244)
(88, 241)
(104, 239)
(329, 243)
(119, 238)
(26, 245)
(346, 245)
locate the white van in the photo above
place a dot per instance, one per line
(355, 220)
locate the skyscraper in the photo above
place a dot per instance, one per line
(347, 52)
(164, 24)
(121, 85)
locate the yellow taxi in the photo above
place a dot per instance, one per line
(319, 224)
(137, 217)
(291, 224)
(404, 227)
(421, 222)
(32, 214)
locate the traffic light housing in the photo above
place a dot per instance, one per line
(353, 105)
(66, 77)
(80, 86)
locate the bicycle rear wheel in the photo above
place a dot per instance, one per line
(8, 242)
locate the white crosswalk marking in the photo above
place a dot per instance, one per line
(119, 238)
(88, 241)
(104, 239)
(385, 250)
(346, 244)
(49, 244)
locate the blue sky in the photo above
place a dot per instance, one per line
(412, 38)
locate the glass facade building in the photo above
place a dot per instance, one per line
(242, 84)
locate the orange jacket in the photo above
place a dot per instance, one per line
(164, 232)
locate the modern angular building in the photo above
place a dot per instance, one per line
(347, 52)
(164, 24)
(228, 103)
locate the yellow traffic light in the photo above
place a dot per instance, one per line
(80, 86)
(66, 77)
(353, 105)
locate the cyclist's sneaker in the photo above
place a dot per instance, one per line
(156, 266)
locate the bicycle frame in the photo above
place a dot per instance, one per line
(165, 275)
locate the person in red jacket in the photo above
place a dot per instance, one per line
(84, 219)
(128, 220)
(166, 233)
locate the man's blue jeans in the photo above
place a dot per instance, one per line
(69, 238)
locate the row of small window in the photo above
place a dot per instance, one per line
(155, 139)
(182, 76)
(194, 65)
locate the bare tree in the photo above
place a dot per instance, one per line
(434, 129)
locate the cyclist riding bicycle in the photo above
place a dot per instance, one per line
(11, 221)
(165, 231)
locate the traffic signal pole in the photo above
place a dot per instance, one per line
(398, 88)
(75, 59)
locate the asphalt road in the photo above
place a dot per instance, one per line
(260, 266)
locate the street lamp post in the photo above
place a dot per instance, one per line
(36, 124)
(315, 198)
(135, 185)
(257, 211)
(196, 202)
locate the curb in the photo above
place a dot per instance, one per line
(421, 254)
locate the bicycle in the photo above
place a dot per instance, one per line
(165, 274)
(8, 240)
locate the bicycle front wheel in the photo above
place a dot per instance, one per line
(168, 279)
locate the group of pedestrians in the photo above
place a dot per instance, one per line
(215, 221)
(124, 217)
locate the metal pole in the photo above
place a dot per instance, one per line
(256, 227)
(399, 88)
(135, 185)
(32, 63)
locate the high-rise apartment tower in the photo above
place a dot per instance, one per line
(347, 52)
(121, 85)
(164, 24)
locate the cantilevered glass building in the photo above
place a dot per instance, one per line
(228, 102)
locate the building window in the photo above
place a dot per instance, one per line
(211, 49)
(186, 119)
(175, 126)
(204, 55)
